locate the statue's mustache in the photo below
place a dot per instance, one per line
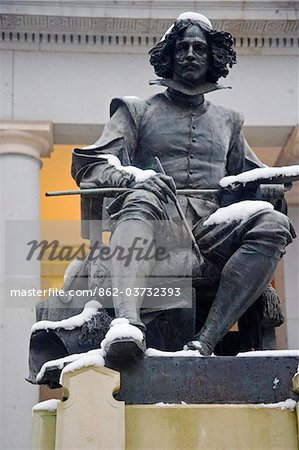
(187, 65)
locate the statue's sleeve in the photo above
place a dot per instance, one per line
(240, 156)
(251, 160)
(104, 163)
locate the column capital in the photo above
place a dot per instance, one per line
(31, 138)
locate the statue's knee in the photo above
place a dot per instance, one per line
(140, 202)
(141, 195)
(143, 199)
(278, 220)
(281, 220)
(276, 226)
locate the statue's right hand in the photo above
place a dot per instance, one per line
(161, 185)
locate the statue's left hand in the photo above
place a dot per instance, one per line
(161, 185)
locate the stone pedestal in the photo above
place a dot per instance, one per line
(44, 430)
(206, 427)
(21, 146)
(296, 382)
(209, 380)
(90, 418)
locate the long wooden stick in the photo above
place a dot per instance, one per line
(113, 191)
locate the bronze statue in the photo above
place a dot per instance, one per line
(198, 144)
(168, 156)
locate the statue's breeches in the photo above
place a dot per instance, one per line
(266, 232)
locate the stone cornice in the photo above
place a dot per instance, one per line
(106, 25)
(237, 9)
(109, 25)
(102, 34)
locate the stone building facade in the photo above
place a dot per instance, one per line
(62, 62)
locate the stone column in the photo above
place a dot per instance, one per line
(22, 144)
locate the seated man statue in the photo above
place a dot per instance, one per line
(197, 144)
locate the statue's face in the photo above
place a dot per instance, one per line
(191, 57)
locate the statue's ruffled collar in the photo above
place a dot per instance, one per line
(188, 90)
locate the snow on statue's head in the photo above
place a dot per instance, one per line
(195, 17)
(221, 53)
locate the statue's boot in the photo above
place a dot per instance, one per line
(133, 218)
(125, 349)
(244, 278)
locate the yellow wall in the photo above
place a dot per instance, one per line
(55, 175)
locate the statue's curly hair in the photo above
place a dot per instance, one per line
(220, 44)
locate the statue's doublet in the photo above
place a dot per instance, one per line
(197, 142)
